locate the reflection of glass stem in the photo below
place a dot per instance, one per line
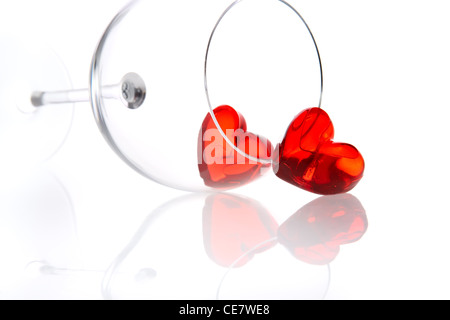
(46, 269)
(250, 252)
(131, 91)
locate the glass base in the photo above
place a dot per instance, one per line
(30, 135)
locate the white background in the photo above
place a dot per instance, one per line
(386, 71)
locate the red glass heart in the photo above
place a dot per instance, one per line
(309, 159)
(234, 226)
(220, 165)
(315, 233)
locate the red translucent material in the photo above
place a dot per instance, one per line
(220, 165)
(308, 158)
(234, 226)
(315, 233)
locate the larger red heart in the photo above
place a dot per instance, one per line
(309, 159)
(220, 165)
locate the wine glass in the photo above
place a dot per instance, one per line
(152, 87)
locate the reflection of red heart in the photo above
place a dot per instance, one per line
(233, 226)
(220, 165)
(309, 159)
(315, 233)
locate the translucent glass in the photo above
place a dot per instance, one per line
(262, 60)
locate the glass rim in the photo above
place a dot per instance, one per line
(205, 75)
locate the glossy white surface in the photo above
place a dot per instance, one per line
(87, 221)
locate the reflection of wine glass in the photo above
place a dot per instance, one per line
(240, 235)
(147, 83)
(224, 246)
(176, 242)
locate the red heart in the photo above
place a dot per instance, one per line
(235, 229)
(309, 159)
(315, 233)
(220, 165)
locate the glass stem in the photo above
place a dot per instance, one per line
(43, 98)
(131, 91)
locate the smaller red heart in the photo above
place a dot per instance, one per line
(315, 233)
(309, 159)
(220, 165)
(235, 229)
